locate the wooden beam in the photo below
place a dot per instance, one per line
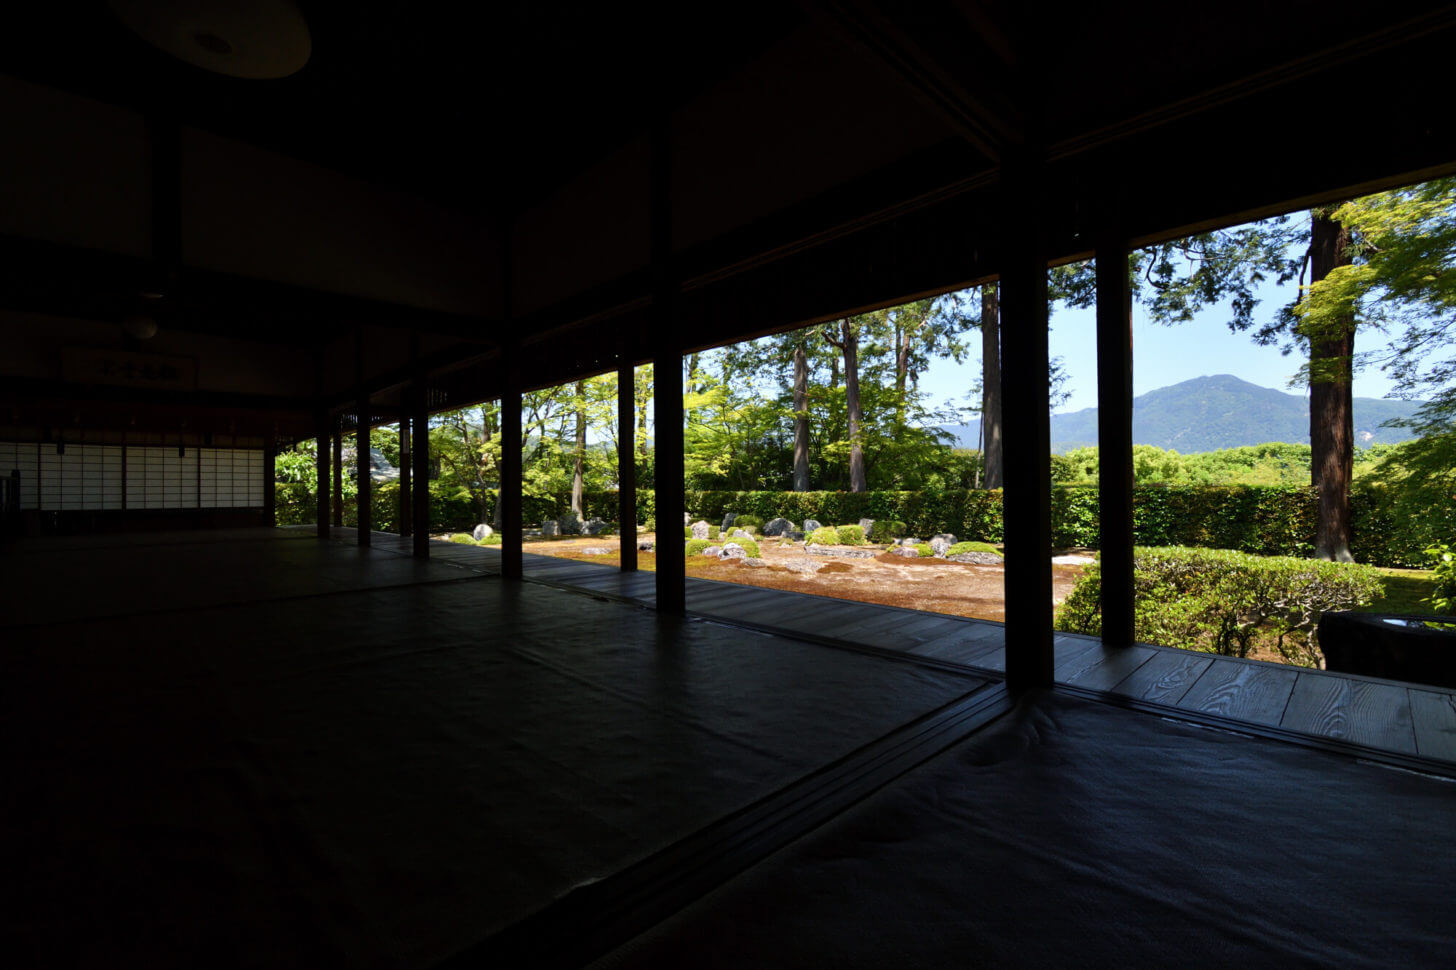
(627, 465)
(512, 566)
(667, 389)
(420, 454)
(405, 501)
(321, 461)
(1114, 434)
(362, 463)
(1025, 382)
(270, 473)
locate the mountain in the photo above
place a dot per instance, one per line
(1208, 413)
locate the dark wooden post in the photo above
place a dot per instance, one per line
(270, 472)
(667, 387)
(419, 416)
(338, 445)
(1114, 436)
(321, 460)
(512, 563)
(1026, 397)
(365, 514)
(405, 507)
(627, 464)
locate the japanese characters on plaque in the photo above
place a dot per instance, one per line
(124, 368)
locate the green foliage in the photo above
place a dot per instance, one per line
(749, 546)
(1219, 601)
(463, 539)
(961, 547)
(925, 551)
(1443, 597)
(713, 531)
(695, 547)
(824, 536)
(850, 535)
(747, 522)
(886, 530)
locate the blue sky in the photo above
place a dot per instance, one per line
(1162, 355)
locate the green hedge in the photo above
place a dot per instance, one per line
(1221, 601)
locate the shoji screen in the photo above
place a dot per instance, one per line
(160, 478)
(84, 477)
(232, 478)
(23, 457)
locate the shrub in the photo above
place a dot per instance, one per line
(1443, 597)
(747, 522)
(886, 531)
(687, 532)
(713, 531)
(961, 547)
(695, 547)
(493, 539)
(1217, 600)
(925, 551)
(463, 538)
(850, 535)
(825, 536)
(749, 546)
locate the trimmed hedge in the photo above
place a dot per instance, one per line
(850, 535)
(1218, 601)
(1262, 520)
(961, 547)
(824, 536)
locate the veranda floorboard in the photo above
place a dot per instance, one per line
(1242, 690)
(1166, 676)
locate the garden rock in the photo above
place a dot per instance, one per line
(909, 552)
(778, 527)
(803, 566)
(795, 535)
(481, 531)
(740, 534)
(908, 541)
(756, 563)
(687, 519)
(569, 524)
(645, 545)
(868, 525)
(713, 552)
(818, 550)
(548, 528)
(734, 551)
(700, 529)
(811, 524)
(728, 521)
(596, 551)
(939, 545)
(594, 526)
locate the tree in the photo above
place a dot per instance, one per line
(801, 416)
(991, 386)
(1331, 402)
(579, 454)
(845, 337)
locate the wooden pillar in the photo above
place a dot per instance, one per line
(512, 564)
(405, 504)
(1026, 396)
(338, 445)
(321, 460)
(1114, 435)
(627, 464)
(419, 416)
(667, 387)
(365, 515)
(270, 473)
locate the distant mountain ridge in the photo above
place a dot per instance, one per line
(1222, 411)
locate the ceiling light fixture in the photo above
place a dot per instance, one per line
(259, 39)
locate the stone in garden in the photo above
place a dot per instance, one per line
(803, 566)
(755, 563)
(777, 527)
(740, 534)
(548, 528)
(700, 530)
(645, 545)
(713, 552)
(569, 524)
(814, 549)
(733, 550)
(908, 541)
(946, 536)
(728, 521)
(909, 552)
(481, 531)
(594, 526)
(976, 558)
(939, 545)
(796, 536)
(868, 525)
(596, 551)
(811, 524)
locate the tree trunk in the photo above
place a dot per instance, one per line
(801, 419)
(991, 386)
(692, 373)
(1331, 419)
(577, 479)
(850, 349)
